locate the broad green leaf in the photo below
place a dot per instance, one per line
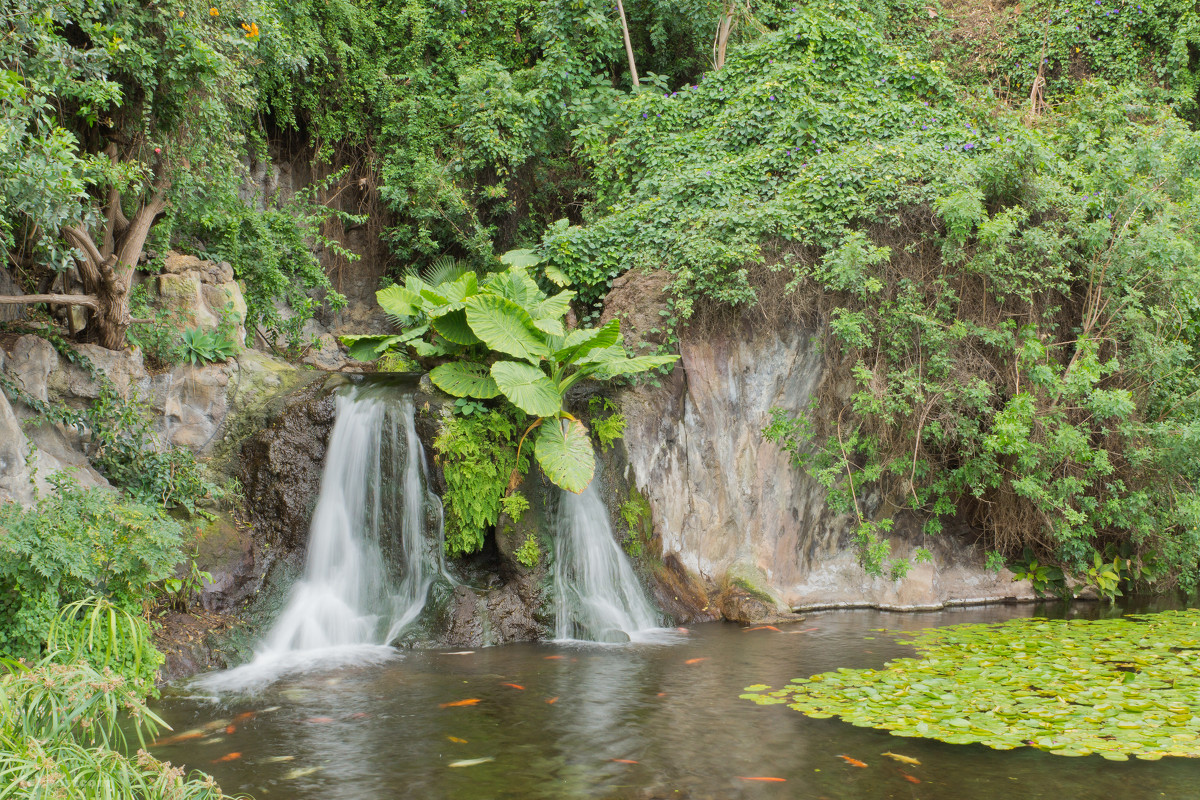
(551, 327)
(632, 366)
(517, 286)
(564, 451)
(528, 388)
(504, 326)
(554, 307)
(399, 302)
(556, 276)
(582, 341)
(521, 258)
(460, 289)
(454, 327)
(438, 347)
(464, 379)
(368, 348)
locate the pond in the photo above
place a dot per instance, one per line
(648, 720)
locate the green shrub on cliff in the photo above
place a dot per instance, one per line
(1014, 299)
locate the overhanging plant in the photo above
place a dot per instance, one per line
(506, 337)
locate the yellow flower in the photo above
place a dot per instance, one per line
(212, 12)
(181, 13)
(251, 30)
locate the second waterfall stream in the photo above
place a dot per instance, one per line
(374, 511)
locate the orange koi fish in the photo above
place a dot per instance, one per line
(696, 660)
(854, 762)
(456, 740)
(472, 701)
(622, 761)
(245, 715)
(230, 729)
(318, 720)
(552, 658)
(552, 700)
(227, 757)
(765, 780)
(762, 628)
(514, 685)
(910, 778)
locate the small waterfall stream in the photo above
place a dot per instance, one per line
(371, 512)
(597, 595)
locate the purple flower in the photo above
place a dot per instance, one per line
(772, 97)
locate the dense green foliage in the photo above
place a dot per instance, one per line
(1117, 688)
(109, 107)
(74, 544)
(1014, 297)
(62, 730)
(477, 453)
(506, 337)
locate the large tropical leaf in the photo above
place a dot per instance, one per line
(454, 327)
(517, 286)
(369, 348)
(464, 379)
(466, 285)
(551, 327)
(399, 302)
(528, 388)
(505, 326)
(632, 366)
(564, 451)
(554, 307)
(582, 341)
(440, 346)
(521, 258)
(556, 276)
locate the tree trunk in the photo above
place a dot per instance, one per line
(628, 45)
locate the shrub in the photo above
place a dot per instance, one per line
(74, 544)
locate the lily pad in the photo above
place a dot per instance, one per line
(1114, 688)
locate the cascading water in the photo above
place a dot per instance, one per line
(374, 499)
(597, 595)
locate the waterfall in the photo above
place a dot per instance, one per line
(597, 595)
(371, 512)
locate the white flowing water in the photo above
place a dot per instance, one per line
(597, 594)
(373, 503)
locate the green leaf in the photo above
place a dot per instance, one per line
(632, 366)
(505, 326)
(582, 341)
(368, 348)
(554, 307)
(399, 302)
(521, 258)
(549, 326)
(528, 388)
(517, 286)
(556, 276)
(464, 379)
(458, 290)
(454, 327)
(564, 451)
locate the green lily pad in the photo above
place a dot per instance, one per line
(1114, 688)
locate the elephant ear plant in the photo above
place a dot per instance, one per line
(506, 336)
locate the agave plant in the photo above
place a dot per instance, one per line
(506, 337)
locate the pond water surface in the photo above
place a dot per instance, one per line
(649, 720)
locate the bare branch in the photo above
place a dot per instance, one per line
(57, 299)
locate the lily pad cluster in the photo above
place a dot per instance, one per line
(1116, 688)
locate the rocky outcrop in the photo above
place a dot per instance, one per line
(729, 505)
(202, 294)
(281, 465)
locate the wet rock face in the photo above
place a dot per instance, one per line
(281, 467)
(479, 618)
